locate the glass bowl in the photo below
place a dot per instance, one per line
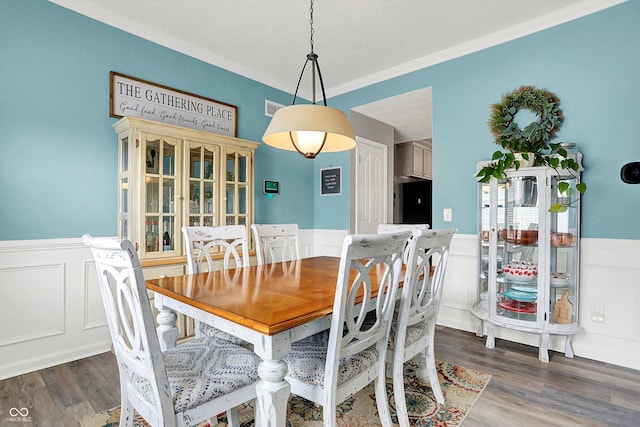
(521, 272)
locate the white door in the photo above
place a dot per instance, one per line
(371, 185)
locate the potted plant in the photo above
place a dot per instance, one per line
(529, 146)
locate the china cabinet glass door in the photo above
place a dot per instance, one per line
(563, 252)
(202, 185)
(123, 193)
(237, 198)
(160, 195)
(517, 286)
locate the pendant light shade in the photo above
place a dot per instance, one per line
(310, 128)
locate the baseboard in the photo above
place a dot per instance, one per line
(48, 360)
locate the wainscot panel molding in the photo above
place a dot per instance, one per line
(40, 285)
(610, 284)
(328, 242)
(50, 309)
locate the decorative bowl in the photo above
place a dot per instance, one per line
(522, 237)
(561, 239)
(522, 272)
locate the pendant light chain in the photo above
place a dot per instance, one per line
(315, 68)
(311, 24)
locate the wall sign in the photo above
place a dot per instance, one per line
(331, 181)
(130, 96)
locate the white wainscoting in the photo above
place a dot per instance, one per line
(610, 283)
(51, 312)
(50, 306)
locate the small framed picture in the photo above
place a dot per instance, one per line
(331, 181)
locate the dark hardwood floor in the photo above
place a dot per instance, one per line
(522, 392)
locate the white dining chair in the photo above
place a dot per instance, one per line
(200, 243)
(276, 242)
(413, 329)
(394, 228)
(182, 386)
(328, 367)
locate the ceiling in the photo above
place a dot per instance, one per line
(358, 42)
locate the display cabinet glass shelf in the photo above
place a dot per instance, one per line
(528, 273)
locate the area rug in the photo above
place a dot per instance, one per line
(461, 388)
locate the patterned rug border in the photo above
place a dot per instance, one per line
(461, 387)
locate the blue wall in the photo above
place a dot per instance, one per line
(592, 64)
(58, 149)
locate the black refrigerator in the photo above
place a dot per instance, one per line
(416, 202)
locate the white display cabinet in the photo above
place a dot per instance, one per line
(529, 269)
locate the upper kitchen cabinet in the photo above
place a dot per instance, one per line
(413, 159)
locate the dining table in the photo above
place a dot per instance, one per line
(270, 306)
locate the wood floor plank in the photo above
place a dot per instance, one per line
(97, 388)
(62, 385)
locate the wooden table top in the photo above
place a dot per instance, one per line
(268, 298)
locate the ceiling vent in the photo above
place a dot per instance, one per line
(271, 107)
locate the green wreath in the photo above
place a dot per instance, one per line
(534, 137)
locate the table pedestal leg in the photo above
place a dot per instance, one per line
(272, 394)
(167, 329)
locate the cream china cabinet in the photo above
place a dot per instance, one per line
(170, 177)
(528, 275)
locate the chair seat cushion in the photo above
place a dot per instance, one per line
(308, 357)
(414, 333)
(211, 332)
(202, 369)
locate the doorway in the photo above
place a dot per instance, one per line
(401, 118)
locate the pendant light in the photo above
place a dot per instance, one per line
(310, 128)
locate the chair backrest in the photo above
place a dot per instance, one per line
(276, 242)
(130, 320)
(394, 228)
(199, 242)
(391, 228)
(366, 259)
(428, 252)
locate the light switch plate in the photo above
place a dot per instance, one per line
(447, 214)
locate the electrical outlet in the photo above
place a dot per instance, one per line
(446, 215)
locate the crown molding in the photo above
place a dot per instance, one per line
(148, 32)
(509, 34)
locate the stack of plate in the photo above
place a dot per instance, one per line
(520, 299)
